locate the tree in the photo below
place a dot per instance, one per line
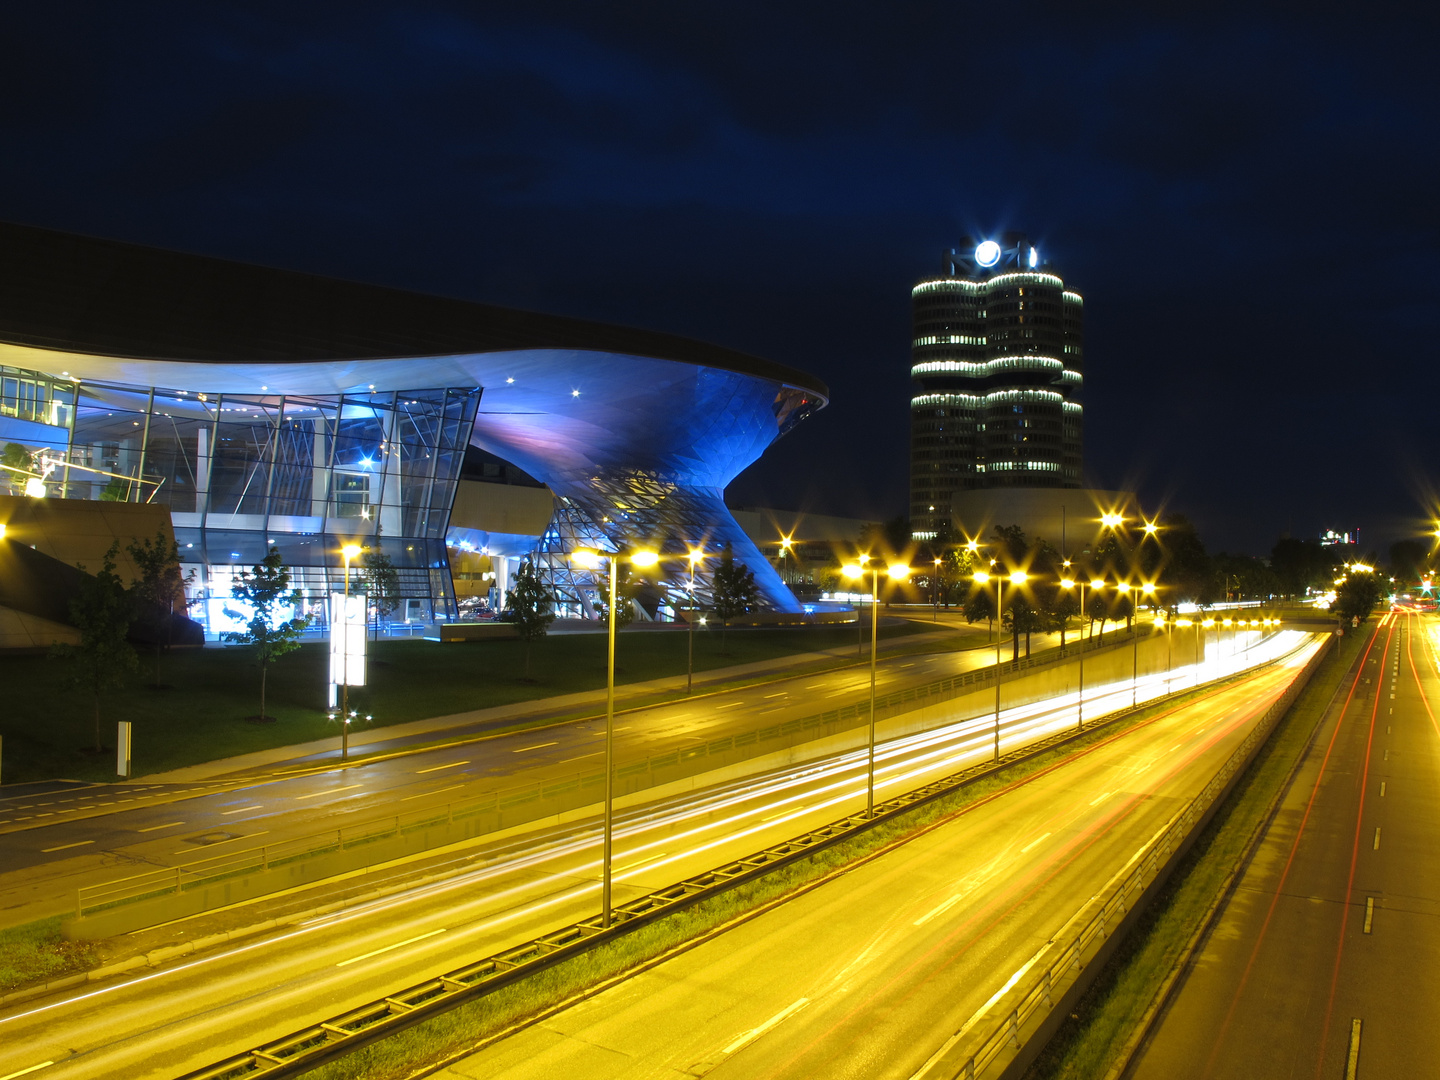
(1301, 565)
(1356, 596)
(101, 611)
(159, 590)
(382, 583)
(1021, 617)
(1410, 560)
(530, 607)
(732, 589)
(18, 466)
(1186, 572)
(264, 588)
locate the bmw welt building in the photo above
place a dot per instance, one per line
(265, 407)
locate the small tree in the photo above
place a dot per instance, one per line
(530, 607)
(1021, 617)
(101, 611)
(159, 590)
(382, 583)
(265, 587)
(1356, 597)
(16, 457)
(733, 590)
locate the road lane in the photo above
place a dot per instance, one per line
(512, 890)
(30, 872)
(868, 975)
(1337, 918)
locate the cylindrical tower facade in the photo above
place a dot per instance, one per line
(997, 353)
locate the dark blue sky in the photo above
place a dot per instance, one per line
(1248, 200)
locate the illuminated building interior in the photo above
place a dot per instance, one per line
(270, 407)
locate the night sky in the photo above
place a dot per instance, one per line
(1247, 200)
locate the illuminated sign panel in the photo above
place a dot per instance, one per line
(347, 639)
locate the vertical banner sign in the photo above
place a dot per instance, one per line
(122, 748)
(347, 641)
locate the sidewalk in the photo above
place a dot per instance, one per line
(562, 707)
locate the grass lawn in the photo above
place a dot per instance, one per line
(49, 729)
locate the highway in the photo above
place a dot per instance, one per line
(182, 1016)
(869, 974)
(1331, 942)
(46, 854)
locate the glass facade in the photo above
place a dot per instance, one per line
(241, 472)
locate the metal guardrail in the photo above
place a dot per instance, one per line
(297, 1053)
(213, 868)
(1066, 952)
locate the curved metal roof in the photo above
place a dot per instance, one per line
(77, 294)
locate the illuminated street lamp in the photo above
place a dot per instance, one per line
(896, 572)
(1124, 589)
(1017, 578)
(696, 556)
(1069, 583)
(591, 560)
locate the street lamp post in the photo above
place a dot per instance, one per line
(936, 584)
(896, 572)
(349, 551)
(696, 555)
(590, 560)
(1016, 578)
(1124, 588)
(1068, 583)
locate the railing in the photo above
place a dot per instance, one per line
(213, 868)
(1065, 954)
(297, 1053)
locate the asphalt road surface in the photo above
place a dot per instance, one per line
(1331, 943)
(162, 1022)
(868, 975)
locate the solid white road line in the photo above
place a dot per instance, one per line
(437, 768)
(331, 791)
(754, 1033)
(390, 948)
(421, 795)
(26, 1072)
(1352, 1059)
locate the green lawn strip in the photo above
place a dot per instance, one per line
(48, 729)
(453, 1032)
(1087, 1044)
(36, 953)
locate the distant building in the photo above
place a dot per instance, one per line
(1334, 538)
(998, 356)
